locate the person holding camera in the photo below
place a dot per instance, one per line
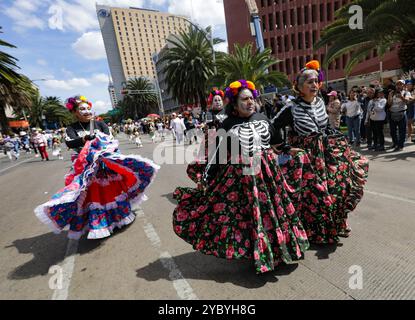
(398, 100)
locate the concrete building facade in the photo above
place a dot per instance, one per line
(291, 27)
(131, 36)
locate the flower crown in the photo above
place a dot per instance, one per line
(215, 92)
(73, 102)
(235, 87)
(312, 65)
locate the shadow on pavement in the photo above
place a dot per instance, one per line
(323, 251)
(195, 265)
(48, 250)
(169, 196)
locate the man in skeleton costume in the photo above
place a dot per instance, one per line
(102, 184)
(244, 212)
(326, 181)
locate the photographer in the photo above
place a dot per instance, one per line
(398, 101)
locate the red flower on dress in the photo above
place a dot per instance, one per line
(229, 252)
(233, 196)
(218, 207)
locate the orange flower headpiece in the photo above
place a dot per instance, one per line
(232, 91)
(312, 65)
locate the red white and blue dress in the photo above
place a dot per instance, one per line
(100, 189)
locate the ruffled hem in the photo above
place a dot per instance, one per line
(106, 232)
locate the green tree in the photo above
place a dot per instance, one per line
(385, 23)
(244, 63)
(15, 89)
(138, 105)
(189, 66)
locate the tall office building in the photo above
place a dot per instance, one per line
(291, 27)
(131, 36)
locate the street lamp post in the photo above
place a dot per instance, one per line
(210, 41)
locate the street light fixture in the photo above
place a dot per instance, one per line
(210, 41)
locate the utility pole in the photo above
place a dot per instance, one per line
(253, 11)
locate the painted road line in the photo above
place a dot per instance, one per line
(68, 266)
(180, 284)
(390, 196)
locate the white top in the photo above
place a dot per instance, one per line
(352, 108)
(376, 110)
(398, 104)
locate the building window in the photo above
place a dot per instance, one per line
(273, 45)
(314, 13)
(295, 65)
(329, 15)
(284, 19)
(293, 42)
(287, 66)
(299, 21)
(292, 17)
(279, 44)
(271, 21)
(286, 43)
(300, 40)
(306, 21)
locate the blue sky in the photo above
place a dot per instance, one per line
(59, 40)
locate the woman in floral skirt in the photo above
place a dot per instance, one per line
(244, 211)
(214, 117)
(327, 181)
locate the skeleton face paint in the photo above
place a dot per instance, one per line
(245, 103)
(217, 103)
(83, 112)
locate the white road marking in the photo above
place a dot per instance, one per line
(68, 266)
(182, 287)
(19, 163)
(390, 196)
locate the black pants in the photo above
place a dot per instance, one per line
(377, 130)
(369, 134)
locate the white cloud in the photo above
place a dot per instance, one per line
(222, 47)
(203, 12)
(100, 107)
(67, 85)
(24, 19)
(101, 77)
(90, 45)
(158, 3)
(41, 62)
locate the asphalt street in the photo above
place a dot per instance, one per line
(146, 260)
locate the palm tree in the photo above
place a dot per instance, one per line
(138, 105)
(188, 66)
(15, 89)
(386, 23)
(244, 63)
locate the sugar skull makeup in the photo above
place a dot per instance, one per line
(84, 109)
(217, 103)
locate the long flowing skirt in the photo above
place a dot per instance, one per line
(328, 180)
(99, 191)
(241, 215)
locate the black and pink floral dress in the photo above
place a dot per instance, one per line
(326, 181)
(245, 211)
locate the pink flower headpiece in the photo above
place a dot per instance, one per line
(73, 102)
